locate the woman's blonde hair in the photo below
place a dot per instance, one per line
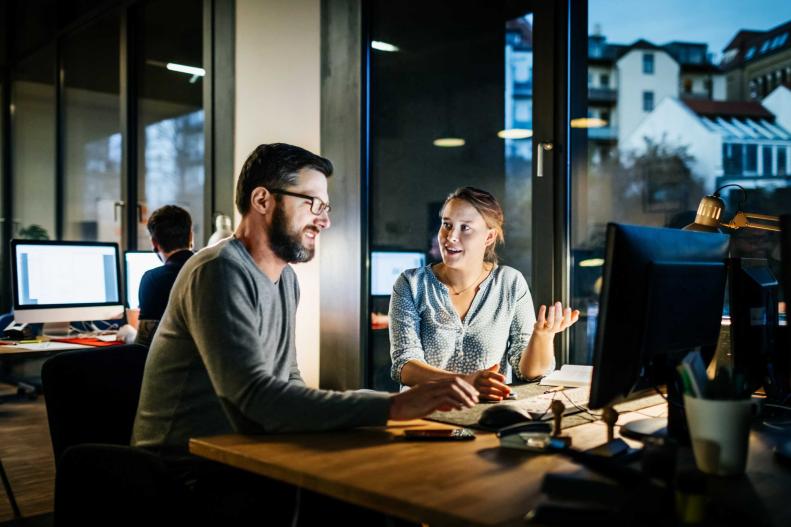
(488, 207)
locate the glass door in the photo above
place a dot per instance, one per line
(91, 135)
(455, 101)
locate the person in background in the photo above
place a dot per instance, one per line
(467, 316)
(170, 228)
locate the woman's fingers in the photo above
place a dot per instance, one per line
(542, 316)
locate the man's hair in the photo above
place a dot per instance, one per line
(275, 166)
(170, 227)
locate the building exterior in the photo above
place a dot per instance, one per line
(742, 142)
(756, 62)
(626, 82)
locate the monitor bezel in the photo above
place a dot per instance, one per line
(15, 243)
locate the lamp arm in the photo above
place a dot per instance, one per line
(765, 217)
(742, 220)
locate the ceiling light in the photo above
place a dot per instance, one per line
(189, 70)
(588, 122)
(449, 142)
(383, 46)
(515, 133)
(592, 262)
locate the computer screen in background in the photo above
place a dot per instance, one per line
(136, 264)
(386, 266)
(662, 296)
(65, 281)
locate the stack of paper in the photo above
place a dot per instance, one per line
(569, 375)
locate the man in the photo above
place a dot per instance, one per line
(223, 359)
(170, 228)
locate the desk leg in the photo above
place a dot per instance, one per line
(9, 492)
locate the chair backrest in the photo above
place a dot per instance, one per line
(92, 395)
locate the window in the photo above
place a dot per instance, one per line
(766, 155)
(92, 136)
(648, 63)
(648, 101)
(648, 179)
(170, 113)
(604, 115)
(732, 159)
(604, 80)
(750, 159)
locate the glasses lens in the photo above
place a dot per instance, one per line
(318, 206)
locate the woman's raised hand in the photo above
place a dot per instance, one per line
(555, 319)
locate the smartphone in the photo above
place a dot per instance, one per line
(439, 434)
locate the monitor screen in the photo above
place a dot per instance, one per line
(65, 281)
(136, 264)
(386, 266)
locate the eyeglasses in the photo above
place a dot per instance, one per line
(317, 206)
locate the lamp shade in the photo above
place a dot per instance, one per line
(707, 218)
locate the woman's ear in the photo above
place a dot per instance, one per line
(491, 237)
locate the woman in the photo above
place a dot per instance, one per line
(467, 315)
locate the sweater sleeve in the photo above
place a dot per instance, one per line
(224, 327)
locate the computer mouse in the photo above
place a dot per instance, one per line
(497, 417)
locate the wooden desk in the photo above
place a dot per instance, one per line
(471, 483)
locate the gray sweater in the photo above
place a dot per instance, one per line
(223, 359)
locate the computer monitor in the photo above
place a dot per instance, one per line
(386, 266)
(136, 263)
(661, 297)
(752, 305)
(57, 281)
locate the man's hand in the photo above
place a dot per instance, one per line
(490, 383)
(453, 393)
(555, 319)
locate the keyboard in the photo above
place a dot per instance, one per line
(537, 406)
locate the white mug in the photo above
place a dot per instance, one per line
(720, 431)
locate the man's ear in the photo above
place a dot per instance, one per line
(261, 200)
(155, 245)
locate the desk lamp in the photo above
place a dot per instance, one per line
(752, 293)
(707, 219)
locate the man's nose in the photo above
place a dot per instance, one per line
(323, 220)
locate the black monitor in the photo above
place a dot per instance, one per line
(752, 306)
(785, 278)
(662, 296)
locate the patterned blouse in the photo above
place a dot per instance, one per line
(424, 326)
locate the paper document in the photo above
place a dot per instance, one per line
(53, 346)
(569, 375)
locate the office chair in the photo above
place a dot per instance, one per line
(91, 397)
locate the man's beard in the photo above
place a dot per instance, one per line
(285, 244)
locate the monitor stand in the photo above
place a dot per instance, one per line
(56, 329)
(661, 428)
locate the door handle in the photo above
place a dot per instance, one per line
(542, 147)
(116, 206)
